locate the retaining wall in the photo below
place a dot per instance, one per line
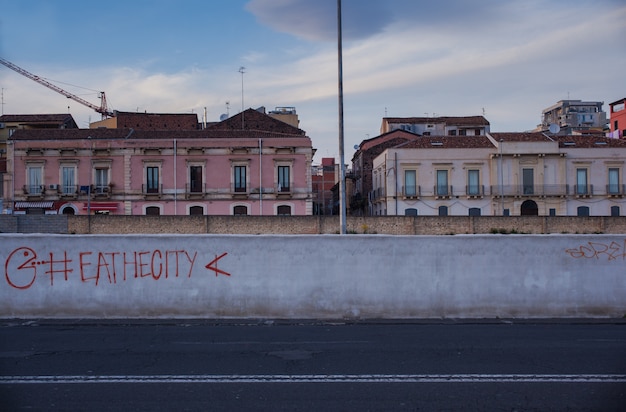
(314, 277)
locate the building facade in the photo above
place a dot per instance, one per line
(617, 123)
(573, 115)
(222, 170)
(501, 174)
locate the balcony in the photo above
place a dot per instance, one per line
(239, 190)
(475, 191)
(442, 192)
(583, 191)
(615, 190)
(282, 189)
(67, 191)
(411, 192)
(529, 191)
(195, 190)
(378, 195)
(34, 191)
(152, 191)
(101, 191)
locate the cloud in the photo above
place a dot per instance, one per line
(317, 20)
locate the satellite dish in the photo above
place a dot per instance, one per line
(223, 117)
(356, 147)
(554, 128)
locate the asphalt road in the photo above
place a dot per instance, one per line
(307, 366)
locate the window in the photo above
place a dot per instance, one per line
(443, 210)
(614, 188)
(410, 188)
(581, 182)
(528, 181)
(240, 178)
(35, 181)
(474, 211)
(442, 183)
(153, 211)
(240, 210)
(196, 211)
(152, 179)
(552, 212)
(410, 212)
(68, 180)
(451, 132)
(283, 210)
(283, 178)
(614, 210)
(462, 132)
(195, 179)
(473, 182)
(102, 180)
(583, 211)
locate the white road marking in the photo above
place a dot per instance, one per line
(453, 378)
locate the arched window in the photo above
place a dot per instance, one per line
(410, 212)
(529, 208)
(283, 210)
(153, 211)
(443, 210)
(583, 211)
(196, 210)
(474, 211)
(68, 211)
(614, 210)
(240, 210)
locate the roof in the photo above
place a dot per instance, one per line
(254, 120)
(131, 134)
(37, 118)
(586, 142)
(157, 121)
(447, 142)
(383, 138)
(618, 101)
(451, 120)
(521, 137)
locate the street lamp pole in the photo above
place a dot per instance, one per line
(342, 166)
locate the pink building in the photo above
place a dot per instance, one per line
(249, 164)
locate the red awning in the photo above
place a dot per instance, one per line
(100, 206)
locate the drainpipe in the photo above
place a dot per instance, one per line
(260, 177)
(395, 176)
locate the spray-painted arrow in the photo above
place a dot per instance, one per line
(214, 268)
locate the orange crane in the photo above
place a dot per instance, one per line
(102, 109)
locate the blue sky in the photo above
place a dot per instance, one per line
(401, 58)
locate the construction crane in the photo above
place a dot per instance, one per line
(102, 109)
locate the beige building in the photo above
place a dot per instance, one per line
(501, 174)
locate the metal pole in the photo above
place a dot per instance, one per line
(501, 181)
(242, 71)
(342, 166)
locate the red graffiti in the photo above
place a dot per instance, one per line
(23, 266)
(598, 250)
(215, 269)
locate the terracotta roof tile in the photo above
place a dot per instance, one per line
(447, 142)
(255, 120)
(451, 120)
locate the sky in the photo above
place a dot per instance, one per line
(506, 60)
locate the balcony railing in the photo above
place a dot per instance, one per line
(34, 190)
(411, 191)
(442, 191)
(475, 190)
(529, 190)
(583, 190)
(615, 190)
(151, 189)
(285, 189)
(195, 190)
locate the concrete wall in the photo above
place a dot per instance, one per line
(318, 277)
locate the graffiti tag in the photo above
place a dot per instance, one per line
(597, 250)
(24, 266)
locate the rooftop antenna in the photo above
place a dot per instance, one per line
(227, 108)
(242, 70)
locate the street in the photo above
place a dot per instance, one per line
(193, 365)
